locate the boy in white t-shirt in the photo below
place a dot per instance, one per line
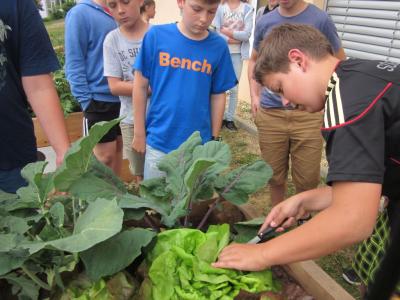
(120, 49)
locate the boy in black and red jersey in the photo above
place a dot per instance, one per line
(361, 103)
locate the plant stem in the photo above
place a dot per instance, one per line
(148, 220)
(190, 206)
(73, 211)
(207, 215)
(35, 279)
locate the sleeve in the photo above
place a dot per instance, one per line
(112, 65)
(329, 29)
(356, 151)
(244, 35)
(224, 77)
(76, 45)
(36, 56)
(217, 22)
(145, 58)
(259, 34)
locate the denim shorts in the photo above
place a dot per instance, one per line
(11, 180)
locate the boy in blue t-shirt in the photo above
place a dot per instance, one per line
(188, 70)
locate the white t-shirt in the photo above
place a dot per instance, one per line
(119, 56)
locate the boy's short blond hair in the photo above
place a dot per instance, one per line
(273, 54)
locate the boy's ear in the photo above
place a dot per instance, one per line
(298, 57)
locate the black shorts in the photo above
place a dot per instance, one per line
(99, 111)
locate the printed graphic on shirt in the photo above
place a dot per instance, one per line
(334, 115)
(3, 57)
(126, 60)
(166, 60)
(234, 20)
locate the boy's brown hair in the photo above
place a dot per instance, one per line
(211, 1)
(273, 55)
(146, 3)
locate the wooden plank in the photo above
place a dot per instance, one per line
(316, 281)
(74, 128)
(308, 274)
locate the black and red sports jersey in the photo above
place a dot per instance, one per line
(362, 124)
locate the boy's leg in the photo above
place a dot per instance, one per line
(233, 95)
(109, 148)
(274, 145)
(305, 149)
(136, 159)
(152, 157)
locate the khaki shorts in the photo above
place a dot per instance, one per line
(136, 159)
(293, 134)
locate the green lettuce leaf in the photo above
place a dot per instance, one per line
(181, 267)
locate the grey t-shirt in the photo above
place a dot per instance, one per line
(119, 56)
(310, 16)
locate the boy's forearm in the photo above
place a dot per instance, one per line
(44, 101)
(119, 87)
(255, 88)
(349, 219)
(217, 112)
(139, 96)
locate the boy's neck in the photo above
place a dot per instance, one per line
(136, 31)
(296, 9)
(189, 35)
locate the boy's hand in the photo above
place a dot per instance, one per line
(139, 143)
(247, 257)
(290, 209)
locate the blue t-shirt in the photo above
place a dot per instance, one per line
(183, 74)
(310, 16)
(25, 50)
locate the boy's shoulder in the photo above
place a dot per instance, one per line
(355, 88)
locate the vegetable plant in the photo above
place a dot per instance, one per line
(73, 218)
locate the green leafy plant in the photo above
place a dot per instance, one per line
(181, 268)
(45, 235)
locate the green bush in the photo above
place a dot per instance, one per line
(66, 6)
(56, 13)
(68, 101)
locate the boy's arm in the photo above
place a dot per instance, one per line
(139, 97)
(43, 98)
(76, 43)
(217, 112)
(255, 88)
(118, 87)
(242, 35)
(350, 218)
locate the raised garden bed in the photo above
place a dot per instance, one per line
(315, 282)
